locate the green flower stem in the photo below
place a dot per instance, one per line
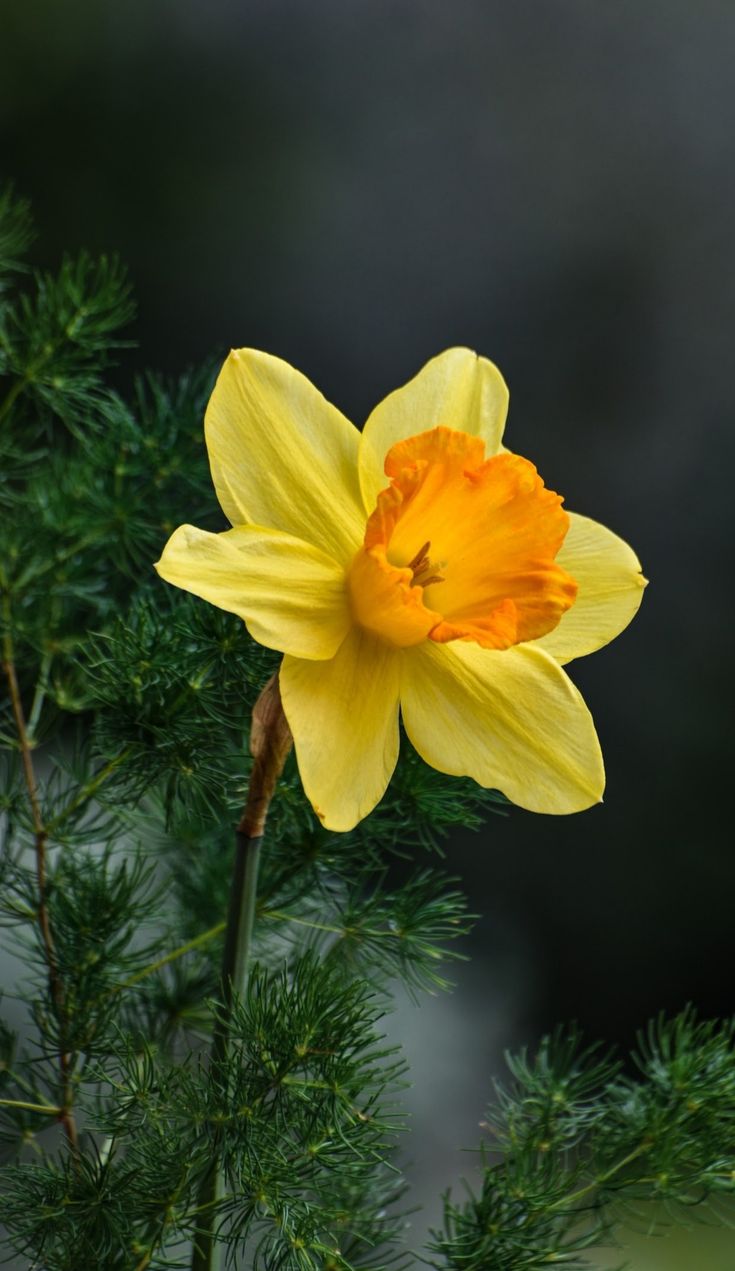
(270, 742)
(239, 932)
(235, 961)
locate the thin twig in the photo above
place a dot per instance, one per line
(45, 1109)
(13, 392)
(280, 915)
(40, 831)
(39, 695)
(88, 790)
(197, 941)
(168, 1215)
(567, 1201)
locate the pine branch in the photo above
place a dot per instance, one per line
(300, 1113)
(56, 986)
(576, 1140)
(58, 340)
(16, 235)
(381, 932)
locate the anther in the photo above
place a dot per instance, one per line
(420, 556)
(422, 565)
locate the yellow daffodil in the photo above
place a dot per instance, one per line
(417, 567)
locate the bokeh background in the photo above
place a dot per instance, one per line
(357, 184)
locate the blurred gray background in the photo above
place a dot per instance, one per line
(357, 184)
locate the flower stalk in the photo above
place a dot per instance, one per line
(270, 742)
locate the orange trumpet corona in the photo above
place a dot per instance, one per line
(487, 532)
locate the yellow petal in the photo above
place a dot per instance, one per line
(457, 389)
(291, 595)
(282, 456)
(344, 718)
(611, 585)
(510, 719)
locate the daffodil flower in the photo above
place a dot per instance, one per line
(417, 568)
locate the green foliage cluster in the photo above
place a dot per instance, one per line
(578, 1142)
(124, 716)
(304, 1116)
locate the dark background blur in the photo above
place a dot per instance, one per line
(357, 184)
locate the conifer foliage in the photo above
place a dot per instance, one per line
(124, 713)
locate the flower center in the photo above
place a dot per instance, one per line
(489, 532)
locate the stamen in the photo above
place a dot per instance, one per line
(421, 565)
(420, 556)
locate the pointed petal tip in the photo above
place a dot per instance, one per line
(457, 348)
(457, 388)
(336, 825)
(511, 720)
(344, 719)
(243, 351)
(583, 801)
(611, 586)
